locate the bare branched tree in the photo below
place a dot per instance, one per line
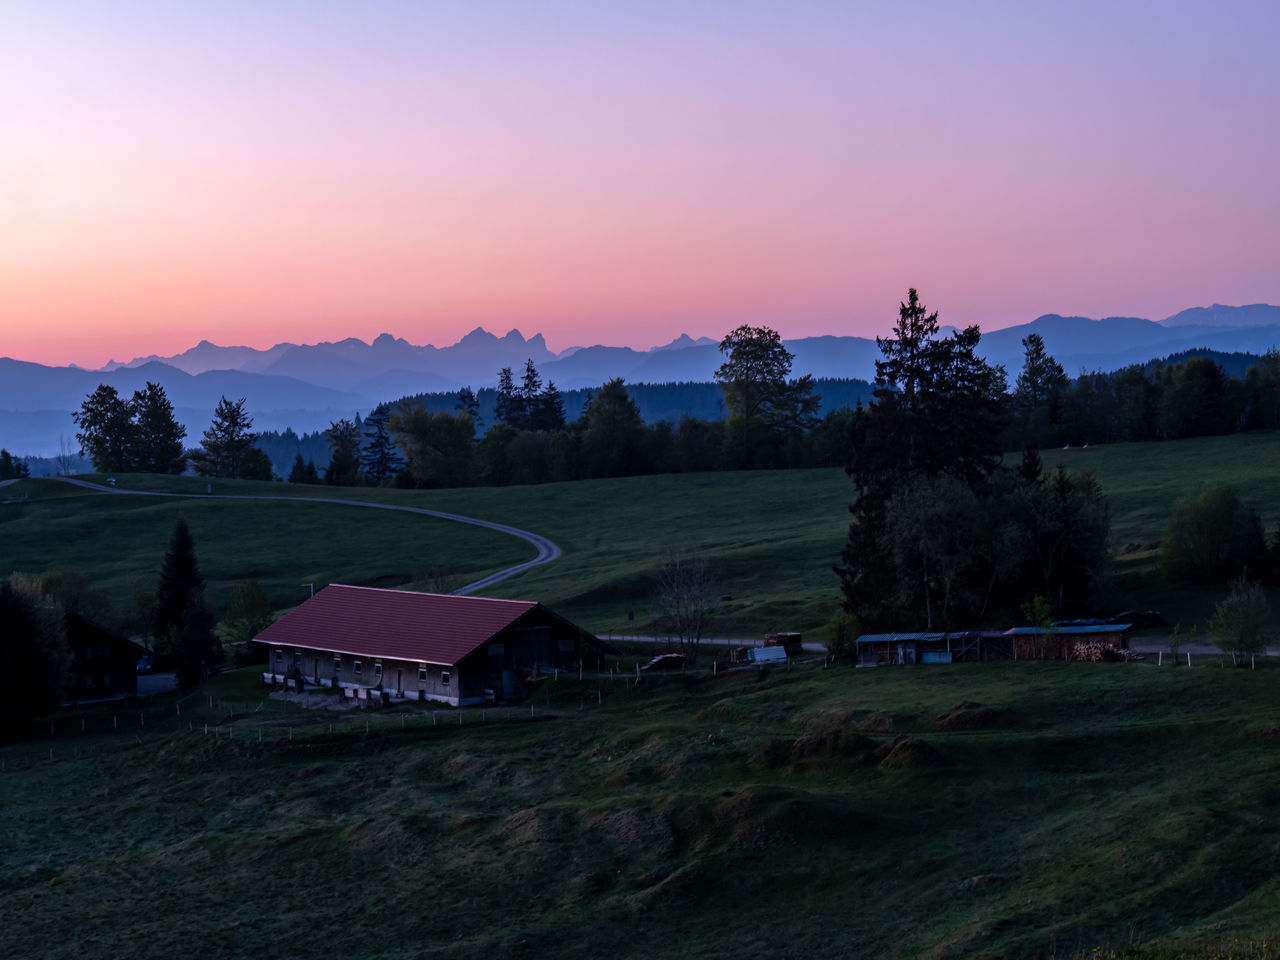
(686, 595)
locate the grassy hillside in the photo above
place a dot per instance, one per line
(772, 535)
(1143, 481)
(119, 541)
(1028, 809)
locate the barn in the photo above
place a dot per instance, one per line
(424, 646)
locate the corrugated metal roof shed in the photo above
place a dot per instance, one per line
(1069, 631)
(397, 624)
(900, 637)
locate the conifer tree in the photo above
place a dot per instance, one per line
(179, 578)
(381, 459)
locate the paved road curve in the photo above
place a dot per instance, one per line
(547, 550)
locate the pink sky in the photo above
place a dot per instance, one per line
(316, 171)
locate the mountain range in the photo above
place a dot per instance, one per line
(307, 386)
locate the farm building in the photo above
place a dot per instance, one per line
(426, 646)
(955, 647)
(1059, 642)
(103, 663)
(1020, 643)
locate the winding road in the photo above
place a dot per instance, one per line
(547, 550)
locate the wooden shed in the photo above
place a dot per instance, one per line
(1059, 642)
(424, 646)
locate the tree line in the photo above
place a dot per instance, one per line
(522, 432)
(944, 535)
(141, 435)
(1188, 395)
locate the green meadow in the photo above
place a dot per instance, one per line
(118, 542)
(772, 536)
(1025, 809)
(1035, 809)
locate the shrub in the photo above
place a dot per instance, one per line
(1212, 536)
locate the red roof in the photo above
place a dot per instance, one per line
(396, 624)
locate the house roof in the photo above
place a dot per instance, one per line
(396, 624)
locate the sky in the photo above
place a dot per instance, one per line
(251, 173)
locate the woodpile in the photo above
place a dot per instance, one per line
(1096, 651)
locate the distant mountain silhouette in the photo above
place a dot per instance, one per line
(1251, 315)
(36, 402)
(306, 386)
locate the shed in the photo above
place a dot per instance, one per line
(964, 646)
(427, 646)
(1058, 642)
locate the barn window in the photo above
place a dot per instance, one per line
(377, 671)
(337, 666)
(355, 668)
(279, 655)
(422, 674)
(444, 678)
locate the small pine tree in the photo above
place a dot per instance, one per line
(195, 648)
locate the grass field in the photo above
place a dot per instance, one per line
(999, 810)
(119, 542)
(1143, 481)
(773, 536)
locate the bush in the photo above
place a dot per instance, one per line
(1212, 537)
(1241, 624)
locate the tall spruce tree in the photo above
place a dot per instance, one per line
(180, 578)
(509, 407)
(469, 404)
(228, 448)
(1038, 391)
(380, 459)
(938, 412)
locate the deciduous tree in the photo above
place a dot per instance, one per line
(438, 444)
(344, 454)
(763, 404)
(686, 595)
(1241, 624)
(157, 435)
(1212, 536)
(106, 430)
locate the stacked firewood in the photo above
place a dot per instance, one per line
(1095, 651)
